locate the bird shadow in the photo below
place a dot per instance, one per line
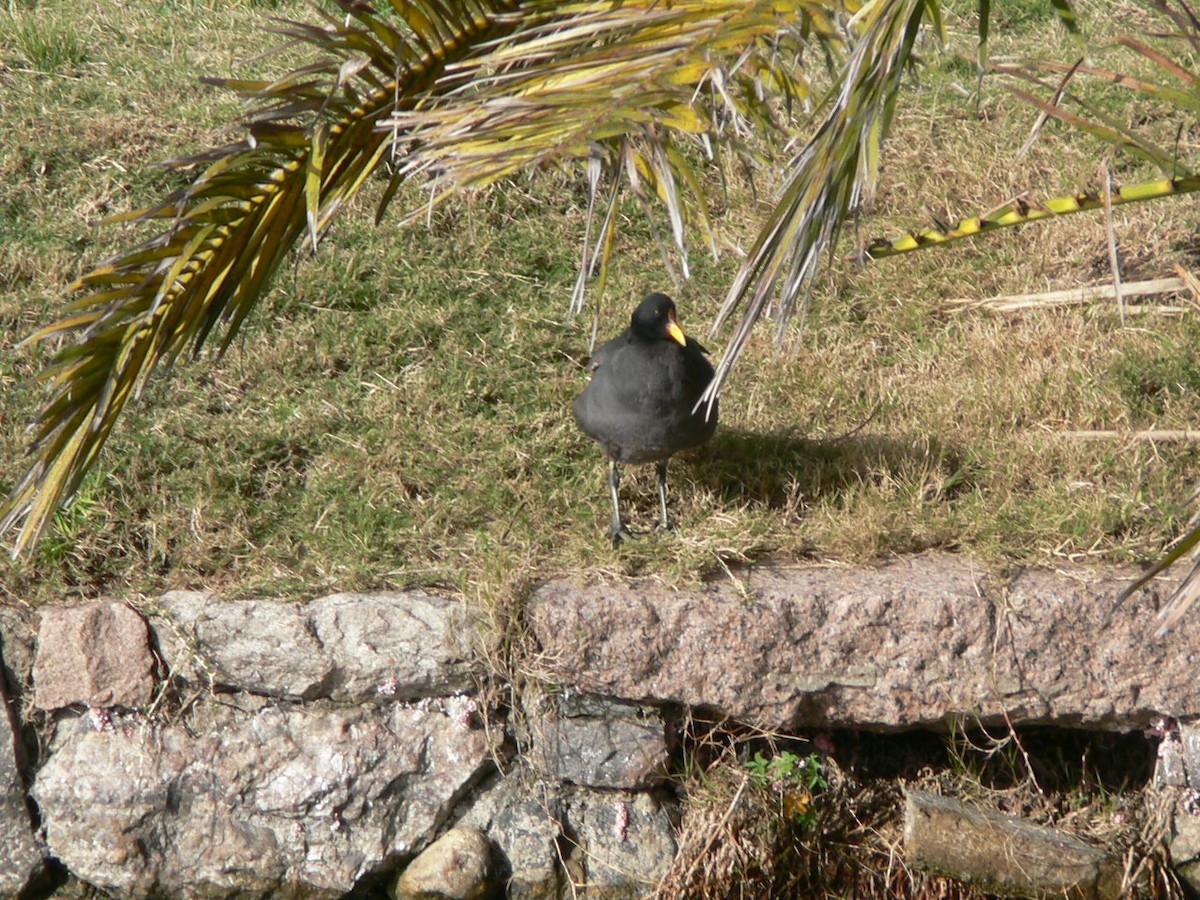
(784, 471)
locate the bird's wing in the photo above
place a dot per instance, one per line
(606, 352)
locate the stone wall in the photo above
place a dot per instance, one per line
(202, 747)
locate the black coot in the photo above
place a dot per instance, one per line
(639, 404)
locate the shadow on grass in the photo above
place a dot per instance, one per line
(781, 470)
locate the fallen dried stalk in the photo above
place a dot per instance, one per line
(1073, 296)
(1152, 435)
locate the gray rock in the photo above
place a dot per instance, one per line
(17, 641)
(457, 866)
(597, 743)
(20, 859)
(403, 645)
(628, 842)
(1184, 845)
(252, 800)
(97, 654)
(260, 646)
(1170, 768)
(1189, 736)
(909, 643)
(522, 817)
(1063, 661)
(1002, 853)
(353, 647)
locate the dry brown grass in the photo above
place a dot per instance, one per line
(738, 840)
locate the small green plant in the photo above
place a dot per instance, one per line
(72, 521)
(796, 779)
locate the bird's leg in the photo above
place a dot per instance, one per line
(661, 471)
(617, 531)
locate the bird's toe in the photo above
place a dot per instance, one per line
(622, 534)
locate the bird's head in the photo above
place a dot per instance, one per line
(654, 319)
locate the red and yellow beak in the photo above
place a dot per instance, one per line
(674, 331)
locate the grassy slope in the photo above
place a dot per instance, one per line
(398, 412)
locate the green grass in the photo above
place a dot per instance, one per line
(398, 412)
(48, 44)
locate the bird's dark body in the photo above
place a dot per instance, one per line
(638, 405)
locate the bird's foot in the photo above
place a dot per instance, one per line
(620, 534)
(665, 527)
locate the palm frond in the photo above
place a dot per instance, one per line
(463, 92)
(1185, 593)
(626, 84)
(1098, 123)
(828, 177)
(1180, 178)
(1066, 16)
(1162, 89)
(312, 141)
(1022, 210)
